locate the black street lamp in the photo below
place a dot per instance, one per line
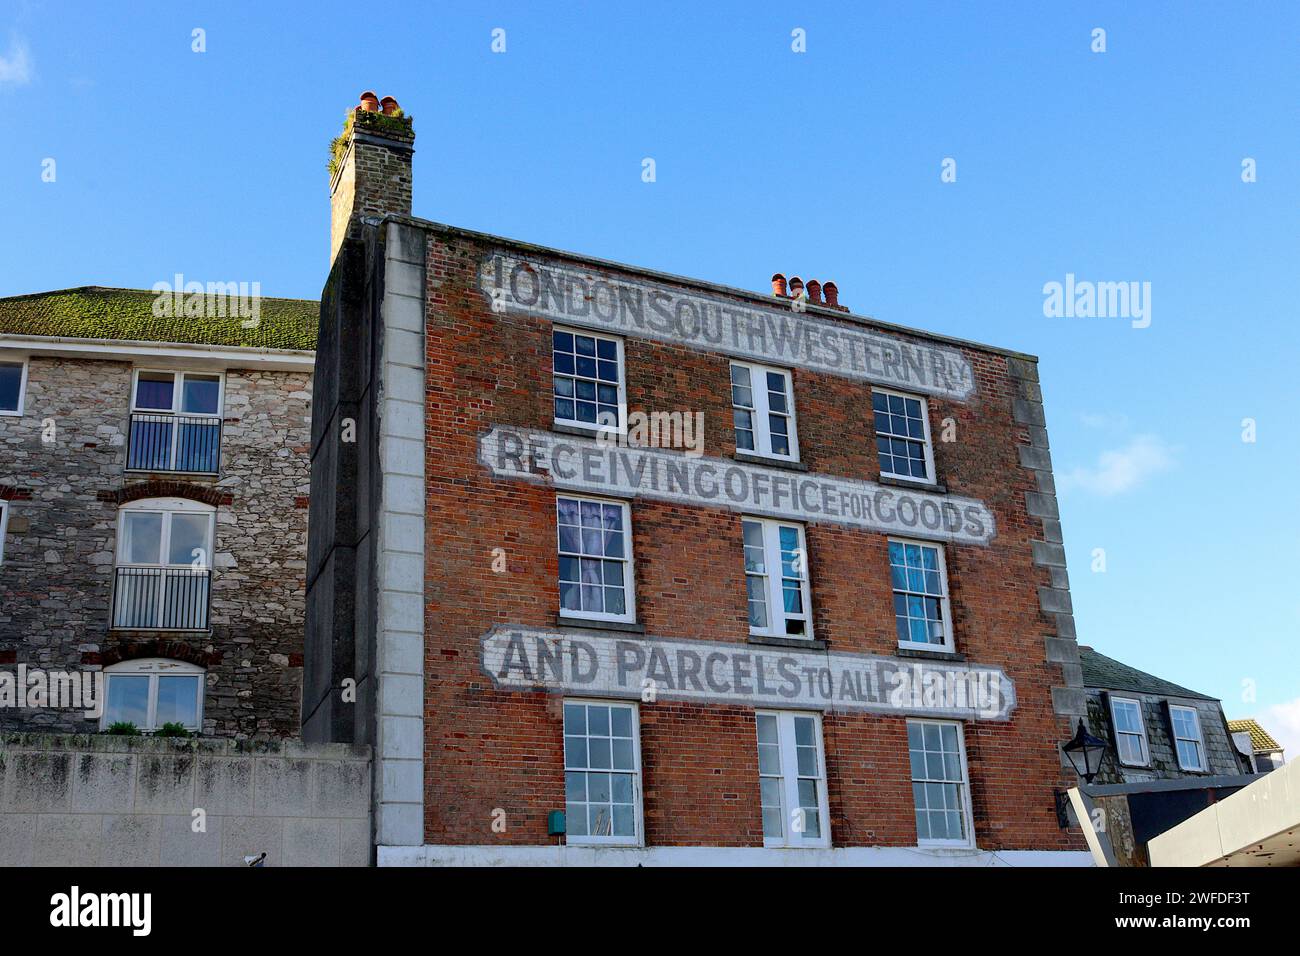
(1085, 752)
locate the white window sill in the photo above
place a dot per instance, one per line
(907, 481)
(940, 650)
(587, 428)
(947, 848)
(600, 624)
(786, 640)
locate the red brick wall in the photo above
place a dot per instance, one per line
(487, 749)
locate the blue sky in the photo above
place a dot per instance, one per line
(1117, 166)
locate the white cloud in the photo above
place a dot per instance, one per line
(1282, 721)
(16, 64)
(1121, 469)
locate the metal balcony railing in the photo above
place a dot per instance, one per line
(179, 443)
(161, 599)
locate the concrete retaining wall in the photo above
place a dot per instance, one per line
(100, 800)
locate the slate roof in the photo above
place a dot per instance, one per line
(1260, 739)
(1106, 673)
(95, 312)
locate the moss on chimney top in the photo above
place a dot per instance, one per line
(397, 125)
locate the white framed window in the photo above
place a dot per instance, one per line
(175, 421)
(587, 380)
(1130, 732)
(13, 386)
(903, 435)
(776, 578)
(164, 559)
(792, 779)
(762, 407)
(153, 692)
(940, 789)
(1187, 737)
(602, 773)
(595, 548)
(4, 526)
(919, 578)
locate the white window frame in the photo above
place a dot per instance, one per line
(178, 390)
(22, 385)
(638, 839)
(968, 814)
(761, 410)
(155, 667)
(949, 644)
(931, 476)
(1199, 739)
(790, 778)
(166, 507)
(629, 568)
(4, 527)
(594, 427)
(1114, 724)
(773, 573)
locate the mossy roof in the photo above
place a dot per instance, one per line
(1260, 739)
(1106, 673)
(95, 312)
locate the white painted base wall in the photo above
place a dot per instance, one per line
(719, 856)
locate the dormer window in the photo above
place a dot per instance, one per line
(175, 422)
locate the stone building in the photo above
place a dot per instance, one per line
(153, 505)
(1157, 729)
(1170, 755)
(625, 567)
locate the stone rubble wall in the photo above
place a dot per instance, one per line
(56, 579)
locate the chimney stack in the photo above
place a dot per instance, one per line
(370, 167)
(815, 290)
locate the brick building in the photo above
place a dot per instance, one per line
(153, 506)
(686, 572)
(1170, 755)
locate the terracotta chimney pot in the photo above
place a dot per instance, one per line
(388, 106)
(369, 101)
(814, 291)
(778, 284)
(832, 295)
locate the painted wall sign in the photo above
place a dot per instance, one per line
(524, 658)
(585, 464)
(652, 310)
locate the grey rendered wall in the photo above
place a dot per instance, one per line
(132, 801)
(365, 592)
(340, 565)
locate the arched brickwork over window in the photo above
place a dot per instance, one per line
(159, 488)
(174, 650)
